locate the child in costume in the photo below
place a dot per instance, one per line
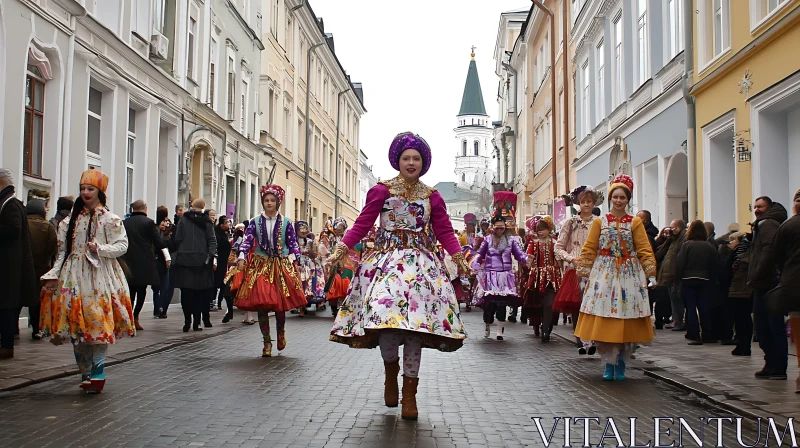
(499, 283)
(400, 293)
(618, 260)
(90, 304)
(340, 273)
(544, 277)
(573, 235)
(310, 269)
(268, 257)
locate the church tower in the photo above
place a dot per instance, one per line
(473, 134)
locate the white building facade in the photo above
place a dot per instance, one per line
(630, 111)
(366, 179)
(158, 94)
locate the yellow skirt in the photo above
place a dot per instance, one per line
(614, 330)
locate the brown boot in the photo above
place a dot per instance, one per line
(391, 392)
(136, 323)
(409, 411)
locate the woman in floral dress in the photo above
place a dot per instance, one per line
(568, 248)
(618, 261)
(400, 294)
(90, 304)
(310, 270)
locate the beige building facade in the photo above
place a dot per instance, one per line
(290, 31)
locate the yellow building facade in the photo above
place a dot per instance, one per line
(291, 30)
(746, 86)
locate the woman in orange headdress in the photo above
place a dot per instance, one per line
(89, 303)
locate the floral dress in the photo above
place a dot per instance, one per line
(617, 259)
(402, 283)
(91, 303)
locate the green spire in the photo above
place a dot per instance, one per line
(472, 101)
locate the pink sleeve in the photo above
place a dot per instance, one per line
(442, 227)
(376, 196)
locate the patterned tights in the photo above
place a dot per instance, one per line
(390, 351)
(263, 323)
(91, 360)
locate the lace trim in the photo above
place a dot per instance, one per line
(411, 192)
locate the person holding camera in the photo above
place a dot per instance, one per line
(670, 241)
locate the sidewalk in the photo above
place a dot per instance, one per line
(37, 361)
(711, 372)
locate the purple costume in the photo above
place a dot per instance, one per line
(498, 282)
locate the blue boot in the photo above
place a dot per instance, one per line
(608, 375)
(620, 370)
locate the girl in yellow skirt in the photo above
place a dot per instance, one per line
(618, 260)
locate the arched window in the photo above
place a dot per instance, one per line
(476, 145)
(464, 148)
(463, 177)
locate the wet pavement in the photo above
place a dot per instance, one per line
(220, 392)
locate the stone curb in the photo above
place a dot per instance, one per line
(710, 394)
(18, 382)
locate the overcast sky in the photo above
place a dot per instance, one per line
(412, 57)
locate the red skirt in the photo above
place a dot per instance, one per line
(569, 296)
(270, 284)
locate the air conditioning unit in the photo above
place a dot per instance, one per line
(159, 47)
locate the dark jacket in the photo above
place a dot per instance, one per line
(17, 274)
(196, 248)
(666, 271)
(652, 234)
(44, 242)
(697, 259)
(735, 272)
(223, 252)
(787, 257)
(143, 237)
(60, 215)
(762, 273)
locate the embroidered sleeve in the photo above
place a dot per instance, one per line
(643, 248)
(54, 273)
(376, 196)
(589, 252)
(291, 239)
(249, 239)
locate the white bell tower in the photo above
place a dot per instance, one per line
(473, 136)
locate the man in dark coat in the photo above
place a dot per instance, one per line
(44, 246)
(763, 276)
(787, 259)
(63, 209)
(17, 275)
(223, 252)
(676, 234)
(143, 237)
(194, 261)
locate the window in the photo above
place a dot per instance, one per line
(212, 72)
(190, 63)
(585, 99)
(561, 119)
(289, 40)
(714, 28)
(463, 177)
(242, 120)
(326, 163)
(347, 180)
(476, 145)
(761, 9)
(301, 136)
(675, 25)
(159, 15)
(642, 41)
(231, 89)
(274, 24)
(601, 81)
(286, 124)
(34, 124)
(95, 117)
(129, 156)
(271, 113)
(617, 90)
(464, 148)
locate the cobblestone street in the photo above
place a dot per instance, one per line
(220, 392)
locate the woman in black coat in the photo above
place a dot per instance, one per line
(697, 267)
(194, 260)
(223, 252)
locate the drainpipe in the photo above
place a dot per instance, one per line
(553, 97)
(338, 120)
(688, 69)
(516, 129)
(308, 128)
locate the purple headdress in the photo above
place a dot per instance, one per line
(408, 140)
(576, 193)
